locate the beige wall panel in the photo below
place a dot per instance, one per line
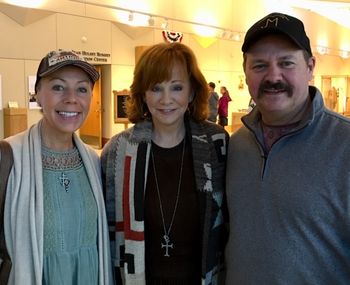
(122, 47)
(208, 57)
(122, 76)
(230, 56)
(123, 44)
(147, 38)
(331, 65)
(13, 81)
(30, 41)
(11, 33)
(39, 38)
(159, 38)
(212, 75)
(227, 57)
(71, 29)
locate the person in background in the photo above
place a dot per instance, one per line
(55, 222)
(164, 177)
(32, 98)
(213, 102)
(223, 106)
(288, 172)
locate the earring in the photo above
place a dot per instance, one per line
(191, 97)
(145, 112)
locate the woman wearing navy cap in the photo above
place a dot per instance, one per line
(54, 219)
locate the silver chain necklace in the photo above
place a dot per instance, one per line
(166, 237)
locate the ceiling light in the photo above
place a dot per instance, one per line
(165, 24)
(150, 21)
(131, 17)
(224, 34)
(236, 37)
(232, 35)
(344, 54)
(322, 50)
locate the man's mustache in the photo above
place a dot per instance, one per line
(275, 86)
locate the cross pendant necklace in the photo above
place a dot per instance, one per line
(65, 181)
(167, 245)
(166, 238)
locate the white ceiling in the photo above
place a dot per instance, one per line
(337, 11)
(238, 13)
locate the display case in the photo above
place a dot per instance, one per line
(15, 121)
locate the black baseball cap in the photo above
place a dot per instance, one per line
(278, 23)
(57, 59)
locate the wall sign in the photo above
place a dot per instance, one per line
(95, 57)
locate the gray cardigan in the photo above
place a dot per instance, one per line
(124, 171)
(290, 209)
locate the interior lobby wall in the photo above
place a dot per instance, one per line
(220, 61)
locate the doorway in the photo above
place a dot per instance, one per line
(336, 93)
(91, 131)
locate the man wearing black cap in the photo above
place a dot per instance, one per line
(288, 168)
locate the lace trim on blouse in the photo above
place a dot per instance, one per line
(61, 160)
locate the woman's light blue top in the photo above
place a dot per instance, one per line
(70, 221)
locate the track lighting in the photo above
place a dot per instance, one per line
(165, 24)
(150, 21)
(344, 54)
(322, 50)
(131, 16)
(236, 37)
(224, 34)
